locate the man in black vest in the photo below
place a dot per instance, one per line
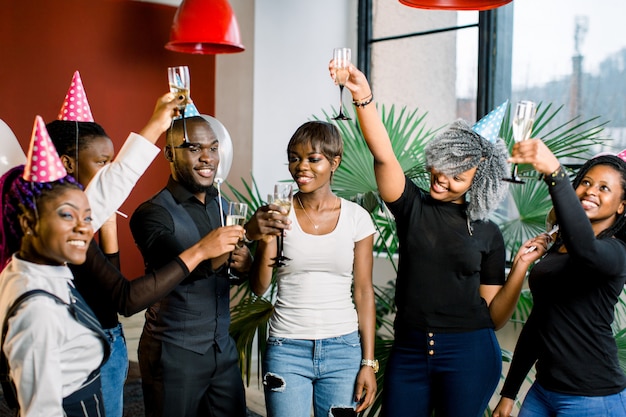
(188, 361)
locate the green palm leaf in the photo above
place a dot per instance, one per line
(249, 318)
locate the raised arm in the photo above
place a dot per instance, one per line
(389, 174)
(110, 187)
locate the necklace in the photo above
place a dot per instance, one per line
(315, 226)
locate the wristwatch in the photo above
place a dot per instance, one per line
(373, 363)
(246, 240)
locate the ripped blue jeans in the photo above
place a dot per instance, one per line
(298, 374)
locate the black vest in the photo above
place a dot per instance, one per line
(196, 313)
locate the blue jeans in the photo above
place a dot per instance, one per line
(452, 373)
(298, 373)
(113, 373)
(540, 402)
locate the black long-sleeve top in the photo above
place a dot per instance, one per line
(108, 292)
(568, 333)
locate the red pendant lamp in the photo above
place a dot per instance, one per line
(205, 27)
(455, 4)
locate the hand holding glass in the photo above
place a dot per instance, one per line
(283, 194)
(179, 81)
(341, 62)
(236, 217)
(522, 127)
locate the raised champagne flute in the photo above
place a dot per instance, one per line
(341, 62)
(236, 216)
(283, 195)
(522, 128)
(179, 81)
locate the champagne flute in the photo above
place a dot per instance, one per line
(522, 127)
(236, 217)
(283, 194)
(341, 62)
(179, 81)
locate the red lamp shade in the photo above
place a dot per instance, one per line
(205, 27)
(455, 4)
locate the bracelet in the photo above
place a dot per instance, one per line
(364, 101)
(372, 363)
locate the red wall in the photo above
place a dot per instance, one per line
(118, 48)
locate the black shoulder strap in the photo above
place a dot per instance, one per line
(8, 387)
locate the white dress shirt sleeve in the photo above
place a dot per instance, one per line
(110, 187)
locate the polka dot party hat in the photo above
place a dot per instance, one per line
(42, 163)
(489, 126)
(190, 111)
(75, 106)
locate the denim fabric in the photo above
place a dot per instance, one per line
(452, 373)
(298, 373)
(540, 402)
(113, 373)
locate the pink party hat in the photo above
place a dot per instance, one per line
(43, 163)
(622, 155)
(75, 106)
(489, 126)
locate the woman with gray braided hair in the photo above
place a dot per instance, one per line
(451, 292)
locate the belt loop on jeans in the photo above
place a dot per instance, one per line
(114, 332)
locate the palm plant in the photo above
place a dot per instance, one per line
(522, 217)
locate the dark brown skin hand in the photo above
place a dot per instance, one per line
(267, 222)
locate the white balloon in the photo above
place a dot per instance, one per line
(225, 149)
(11, 153)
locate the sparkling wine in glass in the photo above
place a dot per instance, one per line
(179, 82)
(236, 216)
(341, 62)
(522, 128)
(283, 195)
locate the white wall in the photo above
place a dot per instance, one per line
(284, 76)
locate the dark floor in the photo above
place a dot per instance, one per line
(133, 397)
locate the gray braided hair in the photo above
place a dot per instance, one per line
(458, 149)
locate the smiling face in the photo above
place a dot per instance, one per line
(601, 194)
(314, 153)
(451, 188)
(310, 168)
(194, 166)
(62, 231)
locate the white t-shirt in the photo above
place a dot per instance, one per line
(314, 299)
